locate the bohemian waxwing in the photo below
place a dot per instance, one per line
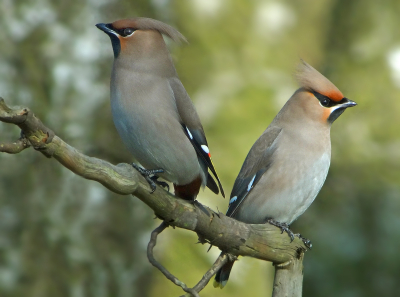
(152, 111)
(287, 166)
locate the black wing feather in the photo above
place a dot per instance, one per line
(197, 142)
(211, 184)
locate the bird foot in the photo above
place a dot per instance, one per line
(284, 228)
(306, 241)
(160, 183)
(146, 174)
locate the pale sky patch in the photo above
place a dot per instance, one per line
(207, 7)
(273, 17)
(393, 60)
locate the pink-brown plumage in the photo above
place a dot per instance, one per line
(151, 109)
(311, 79)
(287, 166)
(152, 25)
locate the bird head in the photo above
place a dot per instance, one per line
(320, 99)
(138, 35)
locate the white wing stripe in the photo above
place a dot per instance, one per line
(190, 134)
(251, 183)
(233, 199)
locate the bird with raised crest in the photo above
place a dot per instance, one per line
(287, 166)
(152, 111)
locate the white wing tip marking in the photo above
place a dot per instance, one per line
(251, 183)
(233, 199)
(205, 148)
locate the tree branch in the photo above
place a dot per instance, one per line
(15, 147)
(153, 261)
(288, 280)
(221, 260)
(262, 241)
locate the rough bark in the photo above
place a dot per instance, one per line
(288, 281)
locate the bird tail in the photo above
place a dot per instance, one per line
(222, 276)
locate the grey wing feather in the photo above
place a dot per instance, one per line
(257, 162)
(194, 130)
(185, 106)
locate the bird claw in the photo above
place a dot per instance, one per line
(306, 241)
(146, 174)
(160, 183)
(284, 228)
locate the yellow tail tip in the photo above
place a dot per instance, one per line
(219, 285)
(216, 284)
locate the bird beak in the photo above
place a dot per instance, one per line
(106, 28)
(347, 103)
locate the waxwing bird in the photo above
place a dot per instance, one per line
(152, 111)
(287, 166)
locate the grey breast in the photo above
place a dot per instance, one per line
(146, 117)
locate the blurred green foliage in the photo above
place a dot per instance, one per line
(63, 236)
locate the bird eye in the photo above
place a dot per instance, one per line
(128, 31)
(325, 102)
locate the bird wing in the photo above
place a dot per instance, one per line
(194, 131)
(257, 162)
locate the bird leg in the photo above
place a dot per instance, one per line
(146, 174)
(306, 241)
(283, 226)
(160, 183)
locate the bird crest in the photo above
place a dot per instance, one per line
(150, 24)
(313, 81)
